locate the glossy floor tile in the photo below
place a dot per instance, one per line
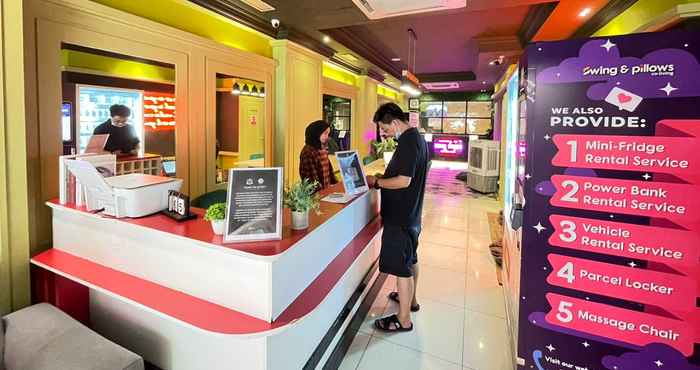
(461, 324)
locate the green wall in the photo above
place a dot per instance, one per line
(192, 18)
(639, 14)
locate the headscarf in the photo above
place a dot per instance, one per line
(313, 133)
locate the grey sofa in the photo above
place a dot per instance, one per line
(42, 337)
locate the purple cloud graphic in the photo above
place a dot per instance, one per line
(653, 356)
(683, 79)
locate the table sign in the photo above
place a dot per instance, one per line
(179, 206)
(254, 205)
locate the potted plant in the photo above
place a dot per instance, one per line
(301, 198)
(385, 149)
(216, 214)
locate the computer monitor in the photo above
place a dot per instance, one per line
(169, 167)
(351, 172)
(96, 144)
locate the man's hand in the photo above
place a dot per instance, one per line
(371, 180)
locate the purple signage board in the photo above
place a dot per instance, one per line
(450, 147)
(611, 224)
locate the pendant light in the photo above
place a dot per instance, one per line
(246, 90)
(254, 92)
(262, 92)
(236, 89)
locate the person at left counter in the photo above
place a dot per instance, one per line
(314, 164)
(122, 136)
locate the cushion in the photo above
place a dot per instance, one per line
(42, 337)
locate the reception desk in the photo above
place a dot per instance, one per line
(176, 294)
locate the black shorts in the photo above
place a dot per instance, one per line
(399, 247)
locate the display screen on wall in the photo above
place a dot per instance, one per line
(158, 111)
(66, 112)
(456, 117)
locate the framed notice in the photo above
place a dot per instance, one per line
(254, 205)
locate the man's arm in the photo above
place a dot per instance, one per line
(392, 183)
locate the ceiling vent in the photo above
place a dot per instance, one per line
(441, 85)
(260, 5)
(377, 9)
(347, 57)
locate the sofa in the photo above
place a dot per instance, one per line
(41, 337)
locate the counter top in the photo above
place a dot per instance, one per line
(201, 231)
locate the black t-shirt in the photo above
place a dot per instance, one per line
(403, 207)
(120, 138)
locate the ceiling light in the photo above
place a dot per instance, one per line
(246, 90)
(236, 89)
(395, 59)
(254, 92)
(326, 39)
(262, 92)
(585, 12)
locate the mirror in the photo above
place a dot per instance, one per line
(240, 124)
(98, 83)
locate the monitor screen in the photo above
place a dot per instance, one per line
(169, 168)
(351, 172)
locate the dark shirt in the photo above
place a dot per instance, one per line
(403, 207)
(120, 138)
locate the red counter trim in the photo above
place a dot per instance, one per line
(201, 230)
(195, 311)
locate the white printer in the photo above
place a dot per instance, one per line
(132, 195)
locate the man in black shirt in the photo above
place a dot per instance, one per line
(402, 190)
(122, 136)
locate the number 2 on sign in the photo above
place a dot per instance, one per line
(573, 186)
(567, 272)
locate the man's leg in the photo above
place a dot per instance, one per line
(405, 285)
(414, 302)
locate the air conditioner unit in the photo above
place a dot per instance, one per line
(377, 9)
(482, 172)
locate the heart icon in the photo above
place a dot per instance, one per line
(623, 98)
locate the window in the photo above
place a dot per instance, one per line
(338, 113)
(456, 117)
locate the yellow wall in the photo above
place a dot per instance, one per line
(639, 14)
(366, 106)
(189, 17)
(14, 191)
(339, 74)
(387, 92)
(251, 137)
(116, 67)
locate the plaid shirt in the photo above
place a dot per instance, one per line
(315, 166)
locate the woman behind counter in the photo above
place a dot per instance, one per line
(314, 163)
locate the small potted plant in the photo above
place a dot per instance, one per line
(385, 149)
(216, 214)
(301, 198)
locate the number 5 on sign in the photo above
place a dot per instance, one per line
(564, 313)
(567, 272)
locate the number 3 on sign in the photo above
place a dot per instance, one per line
(564, 314)
(567, 272)
(568, 232)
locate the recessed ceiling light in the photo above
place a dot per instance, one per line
(395, 59)
(326, 39)
(585, 12)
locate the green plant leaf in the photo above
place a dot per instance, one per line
(302, 197)
(216, 211)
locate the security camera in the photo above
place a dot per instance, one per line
(275, 23)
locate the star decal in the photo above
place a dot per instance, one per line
(646, 176)
(527, 176)
(668, 89)
(686, 45)
(608, 45)
(612, 216)
(539, 49)
(558, 74)
(659, 363)
(632, 264)
(547, 137)
(551, 348)
(586, 344)
(588, 298)
(539, 228)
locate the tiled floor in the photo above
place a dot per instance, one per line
(461, 324)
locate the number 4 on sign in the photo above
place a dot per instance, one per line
(567, 272)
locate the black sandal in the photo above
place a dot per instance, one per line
(391, 324)
(394, 296)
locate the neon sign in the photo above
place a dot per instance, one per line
(158, 111)
(448, 147)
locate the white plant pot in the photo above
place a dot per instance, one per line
(387, 157)
(218, 226)
(300, 220)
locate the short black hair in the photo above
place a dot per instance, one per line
(119, 110)
(388, 112)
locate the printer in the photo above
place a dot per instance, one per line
(133, 195)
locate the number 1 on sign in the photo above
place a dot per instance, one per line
(574, 145)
